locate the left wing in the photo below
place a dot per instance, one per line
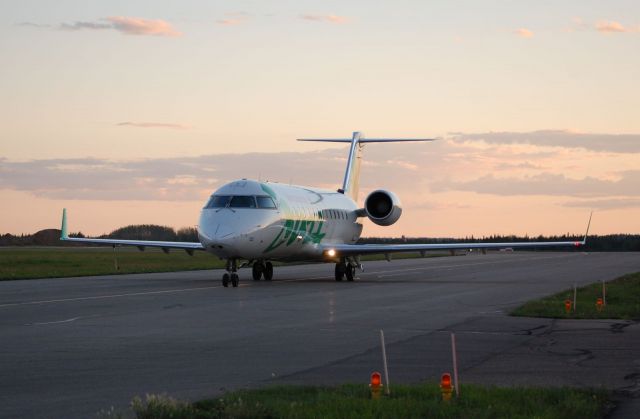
(338, 250)
(189, 247)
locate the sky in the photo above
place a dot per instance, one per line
(130, 112)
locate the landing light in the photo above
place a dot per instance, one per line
(331, 252)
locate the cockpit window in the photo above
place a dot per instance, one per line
(265, 202)
(240, 201)
(218, 201)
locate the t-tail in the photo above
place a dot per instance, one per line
(351, 182)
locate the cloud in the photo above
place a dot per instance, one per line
(230, 22)
(611, 26)
(325, 18)
(76, 26)
(541, 163)
(548, 184)
(605, 204)
(194, 178)
(34, 25)
(523, 33)
(152, 125)
(139, 26)
(234, 18)
(617, 143)
(125, 25)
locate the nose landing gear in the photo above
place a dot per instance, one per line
(232, 274)
(258, 270)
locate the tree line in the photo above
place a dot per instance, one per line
(50, 237)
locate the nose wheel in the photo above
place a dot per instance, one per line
(231, 276)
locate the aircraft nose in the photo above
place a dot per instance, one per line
(222, 231)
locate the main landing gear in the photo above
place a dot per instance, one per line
(259, 269)
(345, 268)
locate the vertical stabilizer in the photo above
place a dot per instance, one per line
(351, 182)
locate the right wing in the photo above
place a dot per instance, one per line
(338, 250)
(189, 247)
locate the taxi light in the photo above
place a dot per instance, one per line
(331, 252)
(375, 385)
(567, 306)
(446, 387)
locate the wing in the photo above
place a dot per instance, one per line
(338, 250)
(189, 247)
(367, 249)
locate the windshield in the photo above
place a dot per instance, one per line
(240, 201)
(218, 201)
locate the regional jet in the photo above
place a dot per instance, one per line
(253, 223)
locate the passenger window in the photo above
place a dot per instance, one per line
(218, 201)
(242, 202)
(265, 202)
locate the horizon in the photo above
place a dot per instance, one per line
(135, 113)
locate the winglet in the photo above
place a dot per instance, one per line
(584, 240)
(63, 229)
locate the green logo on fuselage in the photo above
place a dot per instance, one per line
(294, 228)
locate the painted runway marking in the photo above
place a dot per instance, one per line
(102, 297)
(56, 322)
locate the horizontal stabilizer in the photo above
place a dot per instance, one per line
(350, 184)
(365, 140)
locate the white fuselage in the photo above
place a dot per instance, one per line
(272, 221)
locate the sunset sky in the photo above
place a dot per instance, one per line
(130, 112)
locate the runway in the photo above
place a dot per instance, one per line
(70, 347)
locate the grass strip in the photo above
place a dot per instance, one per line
(32, 263)
(59, 262)
(353, 401)
(622, 301)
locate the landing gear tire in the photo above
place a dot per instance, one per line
(268, 271)
(341, 269)
(350, 272)
(257, 270)
(225, 280)
(235, 279)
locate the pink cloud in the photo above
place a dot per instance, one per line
(140, 26)
(524, 33)
(611, 26)
(325, 18)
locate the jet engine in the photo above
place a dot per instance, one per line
(383, 207)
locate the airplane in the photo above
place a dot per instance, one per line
(253, 223)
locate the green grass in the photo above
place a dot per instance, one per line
(46, 262)
(622, 298)
(353, 401)
(56, 262)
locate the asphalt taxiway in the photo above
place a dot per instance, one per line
(71, 347)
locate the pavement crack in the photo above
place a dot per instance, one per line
(618, 327)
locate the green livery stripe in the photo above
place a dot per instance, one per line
(290, 231)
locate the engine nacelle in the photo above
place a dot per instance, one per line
(383, 207)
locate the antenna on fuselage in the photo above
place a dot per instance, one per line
(351, 182)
